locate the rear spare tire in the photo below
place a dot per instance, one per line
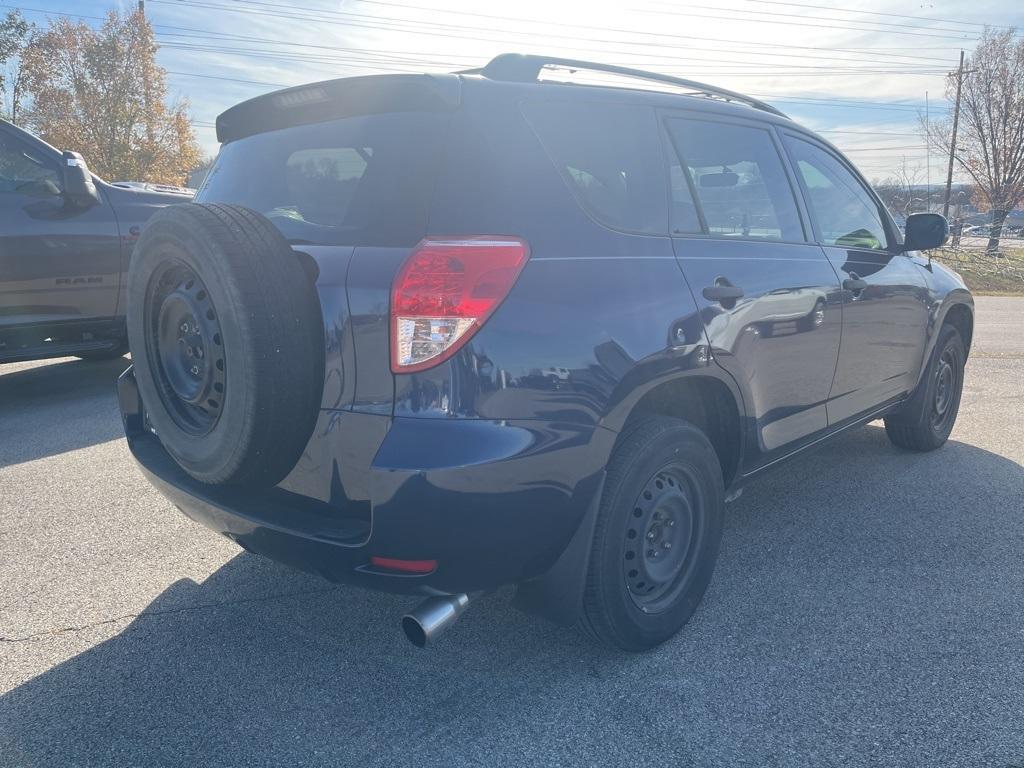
(226, 337)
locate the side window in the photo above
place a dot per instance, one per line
(683, 213)
(739, 179)
(846, 213)
(610, 158)
(24, 171)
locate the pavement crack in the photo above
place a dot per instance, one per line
(55, 631)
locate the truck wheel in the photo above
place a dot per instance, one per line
(227, 341)
(657, 536)
(924, 423)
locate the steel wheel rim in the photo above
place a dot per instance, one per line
(662, 538)
(185, 344)
(945, 388)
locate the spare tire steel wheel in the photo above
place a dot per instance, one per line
(227, 341)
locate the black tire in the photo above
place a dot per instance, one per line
(675, 463)
(106, 354)
(235, 397)
(925, 421)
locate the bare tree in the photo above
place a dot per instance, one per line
(901, 191)
(990, 145)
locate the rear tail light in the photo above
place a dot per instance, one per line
(445, 291)
(404, 566)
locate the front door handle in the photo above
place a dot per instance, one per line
(722, 291)
(854, 283)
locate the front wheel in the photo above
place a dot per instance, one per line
(924, 423)
(657, 536)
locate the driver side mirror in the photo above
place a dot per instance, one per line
(924, 231)
(79, 188)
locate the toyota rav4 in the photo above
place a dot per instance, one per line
(438, 334)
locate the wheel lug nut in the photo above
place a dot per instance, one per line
(671, 522)
(666, 544)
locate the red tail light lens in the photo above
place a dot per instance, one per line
(404, 566)
(445, 291)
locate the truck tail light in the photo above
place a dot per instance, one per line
(444, 293)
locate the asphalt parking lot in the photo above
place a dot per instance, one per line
(868, 609)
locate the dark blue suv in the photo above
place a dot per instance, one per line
(438, 334)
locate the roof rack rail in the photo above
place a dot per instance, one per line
(522, 68)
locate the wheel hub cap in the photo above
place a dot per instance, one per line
(185, 339)
(658, 539)
(943, 387)
(182, 349)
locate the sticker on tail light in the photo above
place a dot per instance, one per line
(444, 293)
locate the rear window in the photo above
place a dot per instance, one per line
(357, 181)
(609, 156)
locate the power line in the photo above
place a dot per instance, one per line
(881, 13)
(449, 30)
(687, 12)
(886, 26)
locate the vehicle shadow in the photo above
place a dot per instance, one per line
(53, 408)
(861, 588)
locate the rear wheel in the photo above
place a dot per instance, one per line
(657, 536)
(227, 341)
(924, 423)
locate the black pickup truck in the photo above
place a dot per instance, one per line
(65, 240)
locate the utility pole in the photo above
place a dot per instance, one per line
(952, 142)
(142, 7)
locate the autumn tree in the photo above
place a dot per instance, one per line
(101, 93)
(15, 35)
(990, 142)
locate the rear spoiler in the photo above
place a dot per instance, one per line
(335, 99)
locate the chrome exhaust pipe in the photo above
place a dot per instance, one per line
(431, 617)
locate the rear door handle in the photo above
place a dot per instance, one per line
(722, 290)
(854, 283)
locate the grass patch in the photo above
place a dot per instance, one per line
(985, 273)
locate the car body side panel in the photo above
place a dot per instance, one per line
(946, 290)
(885, 330)
(779, 342)
(58, 262)
(572, 333)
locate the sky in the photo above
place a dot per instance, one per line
(860, 77)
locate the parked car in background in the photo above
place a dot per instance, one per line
(66, 239)
(440, 334)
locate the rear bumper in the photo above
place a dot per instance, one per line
(493, 502)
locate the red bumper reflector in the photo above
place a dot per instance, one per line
(405, 566)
